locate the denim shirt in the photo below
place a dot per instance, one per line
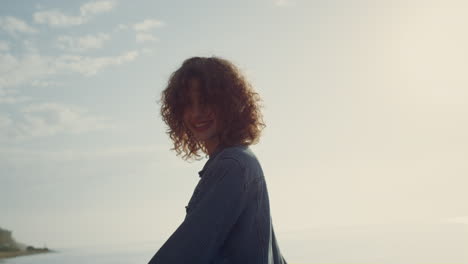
(228, 217)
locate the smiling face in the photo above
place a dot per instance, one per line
(201, 119)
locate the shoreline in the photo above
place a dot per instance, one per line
(19, 253)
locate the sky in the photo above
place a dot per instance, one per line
(364, 102)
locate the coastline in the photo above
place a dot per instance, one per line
(18, 253)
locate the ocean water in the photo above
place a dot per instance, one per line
(391, 244)
(104, 254)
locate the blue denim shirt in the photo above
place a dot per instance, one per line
(228, 217)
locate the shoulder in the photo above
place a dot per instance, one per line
(242, 154)
(243, 157)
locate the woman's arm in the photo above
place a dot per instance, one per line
(202, 233)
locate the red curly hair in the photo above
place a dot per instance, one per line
(224, 87)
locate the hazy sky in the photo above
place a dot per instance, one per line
(365, 104)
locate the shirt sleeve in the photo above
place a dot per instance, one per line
(204, 230)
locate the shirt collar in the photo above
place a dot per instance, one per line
(212, 156)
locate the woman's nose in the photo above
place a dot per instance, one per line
(195, 109)
(201, 108)
(198, 109)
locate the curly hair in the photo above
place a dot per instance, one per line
(224, 87)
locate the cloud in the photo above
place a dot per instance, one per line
(147, 25)
(284, 2)
(14, 99)
(48, 119)
(33, 67)
(5, 121)
(92, 65)
(145, 37)
(42, 83)
(75, 154)
(142, 30)
(120, 27)
(96, 7)
(4, 46)
(5, 127)
(82, 43)
(21, 70)
(9, 97)
(13, 25)
(147, 51)
(56, 18)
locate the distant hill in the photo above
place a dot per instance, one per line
(9, 247)
(7, 242)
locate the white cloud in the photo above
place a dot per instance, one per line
(147, 51)
(10, 97)
(43, 83)
(121, 27)
(29, 46)
(13, 25)
(92, 65)
(21, 70)
(5, 127)
(48, 119)
(57, 18)
(5, 122)
(147, 25)
(145, 37)
(96, 7)
(75, 154)
(4, 46)
(142, 30)
(14, 99)
(284, 2)
(33, 67)
(82, 43)
(7, 98)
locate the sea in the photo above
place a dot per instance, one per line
(402, 244)
(140, 252)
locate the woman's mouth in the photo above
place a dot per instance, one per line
(202, 126)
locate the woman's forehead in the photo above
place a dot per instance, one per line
(193, 87)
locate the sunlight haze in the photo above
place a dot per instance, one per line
(365, 104)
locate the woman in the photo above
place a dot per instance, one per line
(210, 107)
